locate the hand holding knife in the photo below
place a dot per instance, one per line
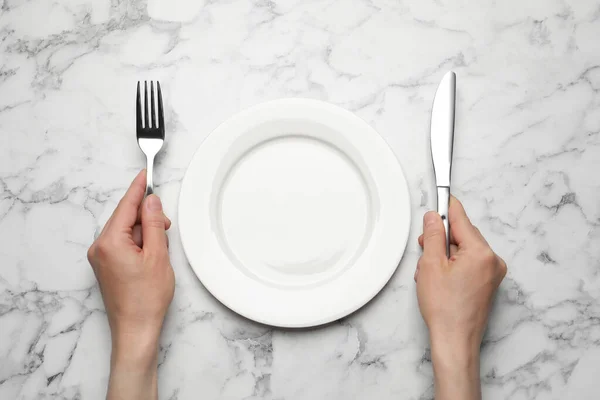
(442, 139)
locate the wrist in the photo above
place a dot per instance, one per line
(457, 351)
(133, 371)
(456, 367)
(135, 348)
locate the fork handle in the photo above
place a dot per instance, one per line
(149, 174)
(150, 147)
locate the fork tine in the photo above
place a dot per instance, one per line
(153, 114)
(161, 115)
(138, 109)
(146, 119)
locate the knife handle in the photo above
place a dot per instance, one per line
(443, 194)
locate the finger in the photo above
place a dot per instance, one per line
(460, 226)
(416, 276)
(125, 214)
(137, 235)
(503, 267)
(138, 238)
(139, 219)
(153, 226)
(420, 240)
(434, 235)
(479, 234)
(453, 250)
(109, 222)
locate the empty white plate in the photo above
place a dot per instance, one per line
(294, 213)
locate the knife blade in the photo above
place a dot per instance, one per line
(442, 140)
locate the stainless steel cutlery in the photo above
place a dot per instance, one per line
(442, 140)
(150, 127)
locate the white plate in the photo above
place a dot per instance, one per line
(294, 213)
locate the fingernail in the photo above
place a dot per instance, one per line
(153, 203)
(429, 218)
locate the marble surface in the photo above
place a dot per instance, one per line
(527, 157)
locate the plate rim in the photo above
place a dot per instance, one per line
(368, 295)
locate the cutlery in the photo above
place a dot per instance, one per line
(442, 138)
(150, 133)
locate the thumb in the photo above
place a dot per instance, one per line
(153, 225)
(434, 235)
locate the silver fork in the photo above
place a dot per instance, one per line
(150, 136)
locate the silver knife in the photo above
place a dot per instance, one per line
(442, 139)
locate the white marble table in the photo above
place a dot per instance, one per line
(527, 162)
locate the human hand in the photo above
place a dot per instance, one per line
(137, 285)
(455, 295)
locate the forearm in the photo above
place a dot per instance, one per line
(133, 369)
(456, 370)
